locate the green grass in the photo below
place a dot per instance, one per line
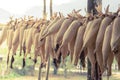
(27, 72)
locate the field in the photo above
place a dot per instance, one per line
(18, 73)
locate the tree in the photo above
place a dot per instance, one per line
(44, 9)
(91, 4)
(51, 9)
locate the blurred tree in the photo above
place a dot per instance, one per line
(51, 9)
(91, 4)
(44, 9)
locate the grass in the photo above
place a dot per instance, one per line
(70, 76)
(28, 72)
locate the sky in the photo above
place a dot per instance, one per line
(22, 7)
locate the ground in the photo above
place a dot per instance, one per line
(18, 73)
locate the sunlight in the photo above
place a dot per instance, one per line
(56, 2)
(20, 6)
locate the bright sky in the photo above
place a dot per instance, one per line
(20, 6)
